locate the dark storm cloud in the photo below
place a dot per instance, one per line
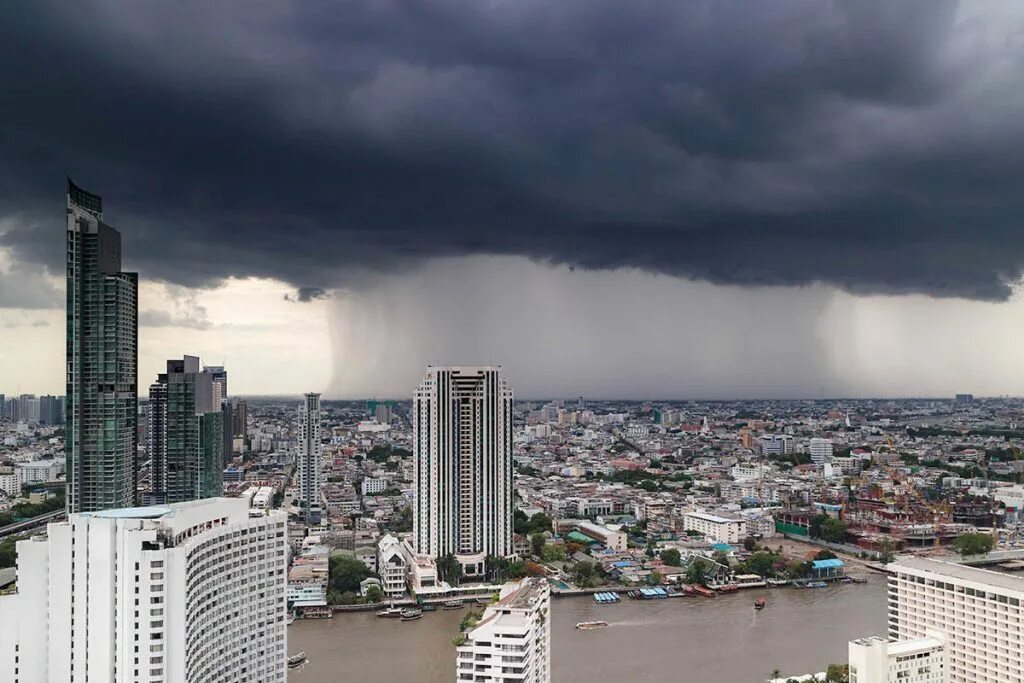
(876, 146)
(306, 294)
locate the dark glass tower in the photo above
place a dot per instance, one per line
(102, 356)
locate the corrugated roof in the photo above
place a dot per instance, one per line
(828, 564)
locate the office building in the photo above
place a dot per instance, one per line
(192, 592)
(219, 381)
(102, 349)
(462, 454)
(977, 612)
(820, 450)
(240, 419)
(877, 660)
(512, 641)
(308, 458)
(776, 444)
(185, 436)
(51, 410)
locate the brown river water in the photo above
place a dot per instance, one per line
(679, 639)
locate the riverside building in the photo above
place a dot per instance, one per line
(188, 593)
(978, 613)
(877, 660)
(462, 455)
(512, 641)
(102, 359)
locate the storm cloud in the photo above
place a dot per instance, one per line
(870, 145)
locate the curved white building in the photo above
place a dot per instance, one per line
(191, 593)
(462, 442)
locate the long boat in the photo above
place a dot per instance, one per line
(706, 592)
(590, 625)
(411, 614)
(390, 613)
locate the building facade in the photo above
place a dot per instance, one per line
(185, 436)
(512, 641)
(977, 612)
(462, 453)
(309, 458)
(877, 660)
(189, 593)
(820, 450)
(392, 566)
(102, 358)
(715, 527)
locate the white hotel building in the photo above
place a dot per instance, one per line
(188, 593)
(978, 612)
(877, 660)
(512, 641)
(462, 442)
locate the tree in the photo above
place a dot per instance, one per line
(374, 594)
(833, 530)
(696, 573)
(540, 523)
(761, 563)
(553, 553)
(521, 523)
(449, 569)
(886, 554)
(537, 542)
(750, 544)
(344, 574)
(584, 574)
(973, 544)
(654, 578)
(837, 673)
(671, 557)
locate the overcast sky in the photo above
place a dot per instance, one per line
(657, 198)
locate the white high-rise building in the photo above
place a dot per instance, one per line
(978, 613)
(820, 450)
(462, 442)
(877, 660)
(308, 458)
(512, 641)
(188, 593)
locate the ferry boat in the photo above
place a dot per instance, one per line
(390, 613)
(759, 603)
(816, 584)
(776, 583)
(590, 625)
(296, 659)
(411, 614)
(452, 604)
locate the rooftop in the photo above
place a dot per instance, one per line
(951, 570)
(152, 512)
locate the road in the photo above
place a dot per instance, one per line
(29, 524)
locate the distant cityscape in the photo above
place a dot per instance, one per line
(176, 536)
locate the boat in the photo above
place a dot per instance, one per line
(858, 579)
(296, 659)
(452, 604)
(775, 583)
(728, 588)
(816, 584)
(291, 619)
(759, 603)
(706, 592)
(390, 613)
(590, 625)
(411, 614)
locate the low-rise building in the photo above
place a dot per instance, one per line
(877, 660)
(716, 527)
(392, 566)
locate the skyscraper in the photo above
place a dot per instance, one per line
(308, 462)
(102, 349)
(190, 592)
(240, 418)
(462, 443)
(186, 435)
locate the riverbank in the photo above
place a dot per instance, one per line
(647, 640)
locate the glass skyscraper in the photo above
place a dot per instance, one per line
(102, 355)
(186, 435)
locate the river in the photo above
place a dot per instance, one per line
(680, 639)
